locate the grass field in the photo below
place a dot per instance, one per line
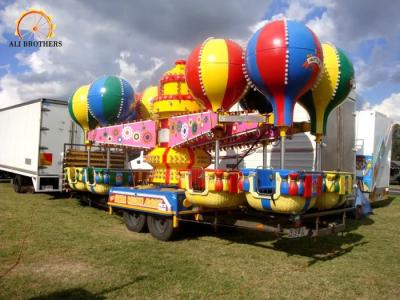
(71, 251)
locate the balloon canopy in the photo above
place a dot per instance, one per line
(110, 98)
(79, 110)
(145, 104)
(333, 87)
(283, 60)
(214, 74)
(254, 100)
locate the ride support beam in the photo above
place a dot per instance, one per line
(265, 155)
(283, 147)
(216, 164)
(108, 158)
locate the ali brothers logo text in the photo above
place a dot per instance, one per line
(35, 28)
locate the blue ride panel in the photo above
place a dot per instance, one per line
(173, 198)
(266, 181)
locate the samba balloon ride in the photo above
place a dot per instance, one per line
(79, 111)
(332, 88)
(185, 118)
(283, 61)
(110, 98)
(214, 76)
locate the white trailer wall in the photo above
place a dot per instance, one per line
(374, 141)
(339, 150)
(19, 136)
(32, 130)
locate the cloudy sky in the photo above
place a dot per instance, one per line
(141, 39)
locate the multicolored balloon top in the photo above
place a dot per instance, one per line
(214, 74)
(110, 98)
(334, 85)
(283, 61)
(79, 110)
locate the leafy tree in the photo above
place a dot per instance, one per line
(396, 142)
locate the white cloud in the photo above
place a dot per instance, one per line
(324, 27)
(11, 13)
(390, 107)
(253, 28)
(183, 52)
(362, 76)
(40, 62)
(130, 71)
(9, 91)
(13, 91)
(156, 64)
(322, 3)
(298, 10)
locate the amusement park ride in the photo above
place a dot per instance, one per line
(186, 118)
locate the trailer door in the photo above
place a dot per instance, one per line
(55, 131)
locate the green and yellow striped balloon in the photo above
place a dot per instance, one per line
(333, 87)
(79, 110)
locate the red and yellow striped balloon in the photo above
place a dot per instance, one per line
(214, 74)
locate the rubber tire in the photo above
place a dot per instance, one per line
(17, 182)
(134, 221)
(160, 227)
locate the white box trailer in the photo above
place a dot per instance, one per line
(374, 147)
(32, 136)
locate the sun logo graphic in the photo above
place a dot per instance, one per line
(34, 24)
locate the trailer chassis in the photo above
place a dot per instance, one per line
(315, 224)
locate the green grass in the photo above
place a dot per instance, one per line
(74, 252)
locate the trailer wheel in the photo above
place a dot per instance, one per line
(134, 221)
(160, 227)
(17, 184)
